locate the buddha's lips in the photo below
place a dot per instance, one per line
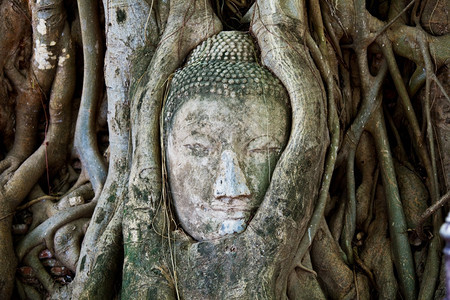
(232, 205)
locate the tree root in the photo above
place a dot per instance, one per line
(335, 276)
(85, 135)
(32, 260)
(27, 292)
(399, 240)
(45, 231)
(333, 124)
(413, 192)
(376, 253)
(431, 273)
(20, 177)
(370, 102)
(67, 242)
(78, 196)
(102, 274)
(432, 210)
(366, 163)
(304, 285)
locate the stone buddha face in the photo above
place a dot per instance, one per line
(222, 146)
(221, 152)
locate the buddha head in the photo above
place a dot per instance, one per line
(226, 123)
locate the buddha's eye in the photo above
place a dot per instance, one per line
(264, 145)
(197, 149)
(267, 149)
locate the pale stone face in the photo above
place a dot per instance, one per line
(221, 152)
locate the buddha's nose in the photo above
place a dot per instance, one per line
(230, 182)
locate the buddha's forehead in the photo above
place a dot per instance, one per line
(204, 108)
(223, 116)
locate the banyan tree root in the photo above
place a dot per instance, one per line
(68, 240)
(401, 249)
(11, 47)
(376, 253)
(61, 234)
(439, 110)
(41, 272)
(304, 284)
(45, 231)
(46, 206)
(32, 260)
(85, 137)
(366, 163)
(47, 20)
(335, 276)
(414, 195)
(49, 61)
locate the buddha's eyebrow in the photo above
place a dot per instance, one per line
(197, 134)
(271, 137)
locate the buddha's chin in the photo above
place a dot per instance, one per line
(223, 228)
(232, 226)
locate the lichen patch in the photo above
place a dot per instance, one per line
(42, 56)
(62, 59)
(41, 28)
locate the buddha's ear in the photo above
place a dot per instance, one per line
(288, 204)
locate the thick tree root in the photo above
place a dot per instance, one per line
(45, 231)
(85, 137)
(377, 251)
(397, 222)
(67, 242)
(19, 178)
(335, 276)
